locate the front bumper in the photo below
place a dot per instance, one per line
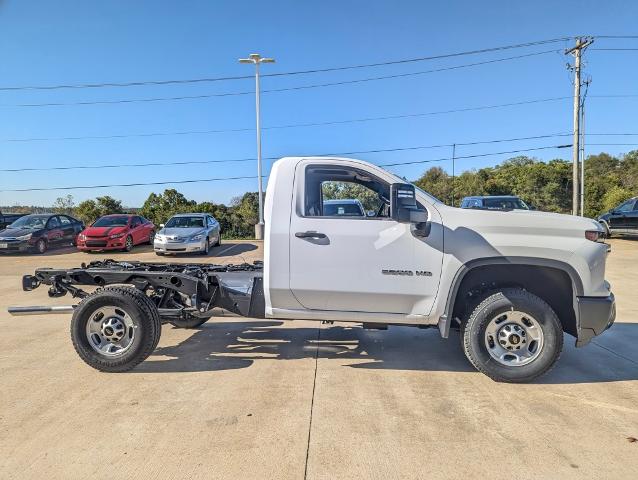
(15, 246)
(595, 315)
(178, 247)
(99, 243)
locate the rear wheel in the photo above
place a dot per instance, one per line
(115, 328)
(512, 336)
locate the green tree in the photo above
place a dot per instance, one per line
(348, 190)
(614, 197)
(90, 210)
(159, 208)
(64, 205)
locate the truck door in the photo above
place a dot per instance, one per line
(353, 262)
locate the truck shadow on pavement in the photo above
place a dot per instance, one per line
(235, 345)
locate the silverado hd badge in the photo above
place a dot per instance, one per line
(406, 273)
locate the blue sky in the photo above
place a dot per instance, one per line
(65, 42)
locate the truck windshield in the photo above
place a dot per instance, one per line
(119, 221)
(185, 222)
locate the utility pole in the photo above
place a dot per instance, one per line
(581, 44)
(257, 59)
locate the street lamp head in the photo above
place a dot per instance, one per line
(245, 60)
(256, 58)
(267, 60)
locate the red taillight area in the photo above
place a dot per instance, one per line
(593, 235)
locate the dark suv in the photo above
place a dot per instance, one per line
(622, 219)
(495, 202)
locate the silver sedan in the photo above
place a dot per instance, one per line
(188, 232)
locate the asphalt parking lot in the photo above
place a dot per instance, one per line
(245, 399)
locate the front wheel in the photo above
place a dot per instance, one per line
(206, 249)
(115, 328)
(512, 336)
(128, 244)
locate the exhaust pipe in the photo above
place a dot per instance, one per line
(40, 310)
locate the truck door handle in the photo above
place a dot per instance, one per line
(310, 235)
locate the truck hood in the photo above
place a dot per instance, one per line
(470, 234)
(525, 222)
(104, 231)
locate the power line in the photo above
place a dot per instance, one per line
(296, 125)
(281, 74)
(178, 182)
(473, 156)
(287, 89)
(234, 160)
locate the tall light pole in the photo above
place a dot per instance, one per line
(257, 59)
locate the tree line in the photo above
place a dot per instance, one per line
(547, 186)
(609, 180)
(237, 220)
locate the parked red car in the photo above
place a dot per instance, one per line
(116, 232)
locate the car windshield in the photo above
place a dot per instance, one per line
(342, 209)
(31, 222)
(504, 204)
(185, 222)
(119, 221)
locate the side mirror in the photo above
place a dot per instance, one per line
(161, 225)
(404, 209)
(371, 213)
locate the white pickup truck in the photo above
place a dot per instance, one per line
(511, 281)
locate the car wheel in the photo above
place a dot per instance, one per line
(151, 237)
(219, 240)
(512, 336)
(128, 244)
(206, 247)
(41, 246)
(159, 254)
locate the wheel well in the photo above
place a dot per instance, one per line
(553, 285)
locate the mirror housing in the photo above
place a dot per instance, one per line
(404, 209)
(161, 225)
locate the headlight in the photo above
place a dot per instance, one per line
(81, 236)
(116, 235)
(25, 237)
(159, 238)
(197, 237)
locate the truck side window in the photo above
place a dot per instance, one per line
(344, 192)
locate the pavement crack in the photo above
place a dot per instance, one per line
(312, 402)
(615, 353)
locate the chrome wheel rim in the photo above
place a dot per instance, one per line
(110, 331)
(128, 243)
(514, 338)
(42, 246)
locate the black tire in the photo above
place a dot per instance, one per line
(151, 237)
(128, 244)
(219, 240)
(206, 247)
(41, 246)
(192, 322)
(501, 302)
(159, 254)
(140, 308)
